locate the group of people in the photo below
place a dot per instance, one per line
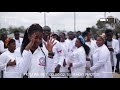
(43, 54)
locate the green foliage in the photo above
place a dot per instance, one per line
(11, 30)
(101, 26)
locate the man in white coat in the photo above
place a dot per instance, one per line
(55, 63)
(18, 39)
(101, 61)
(113, 46)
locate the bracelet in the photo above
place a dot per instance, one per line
(50, 54)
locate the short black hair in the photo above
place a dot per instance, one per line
(88, 29)
(57, 37)
(62, 33)
(87, 49)
(16, 31)
(108, 31)
(46, 28)
(11, 41)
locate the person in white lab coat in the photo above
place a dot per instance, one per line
(18, 39)
(101, 61)
(36, 54)
(118, 55)
(65, 50)
(78, 58)
(113, 46)
(3, 47)
(54, 64)
(70, 41)
(92, 45)
(8, 61)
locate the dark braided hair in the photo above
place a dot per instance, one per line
(32, 29)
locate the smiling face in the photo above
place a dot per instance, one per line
(62, 37)
(78, 43)
(99, 41)
(12, 45)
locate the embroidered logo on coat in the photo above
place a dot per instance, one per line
(59, 51)
(42, 61)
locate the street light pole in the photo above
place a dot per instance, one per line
(74, 21)
(105, 15)
(44, 19)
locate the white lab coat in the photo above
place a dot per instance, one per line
(10, 71)
(2, 49)
(101, 63)
(18, 42)
(92, 45)
(57, 59)
(36, 63)
(78, 59)
(65, 51)
(115, 46)
(70, 44)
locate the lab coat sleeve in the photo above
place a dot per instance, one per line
(102, 58)
(25, 61)
(3, 64)
(116, 50)
(81, 61)
(2, 49)
(61, 55)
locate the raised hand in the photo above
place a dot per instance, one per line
(57, 69)
(31, 43)
(11, 63)
(50, 43)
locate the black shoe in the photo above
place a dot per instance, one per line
(117, 71)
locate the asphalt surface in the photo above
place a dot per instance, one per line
(116, 75)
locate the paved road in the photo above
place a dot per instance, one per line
(115, 75)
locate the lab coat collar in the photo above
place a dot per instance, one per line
(36, 51)
(98, 48)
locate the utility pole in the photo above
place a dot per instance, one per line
(74, 21)
(44, 18)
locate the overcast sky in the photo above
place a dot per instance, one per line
(56, 20)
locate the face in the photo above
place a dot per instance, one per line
(46, 33)
(71, 35)
(12, 46)
(99, 41)
(17, 35)
(77, 43)
(54, 36)
(109, 36)
(62, 37)
(5, 36)
(88, 36)
(78, 33)
(38, 40)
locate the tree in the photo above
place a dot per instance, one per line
(21, 29)
(109, 23)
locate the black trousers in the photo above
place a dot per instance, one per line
(1, 74)
(118, 60)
